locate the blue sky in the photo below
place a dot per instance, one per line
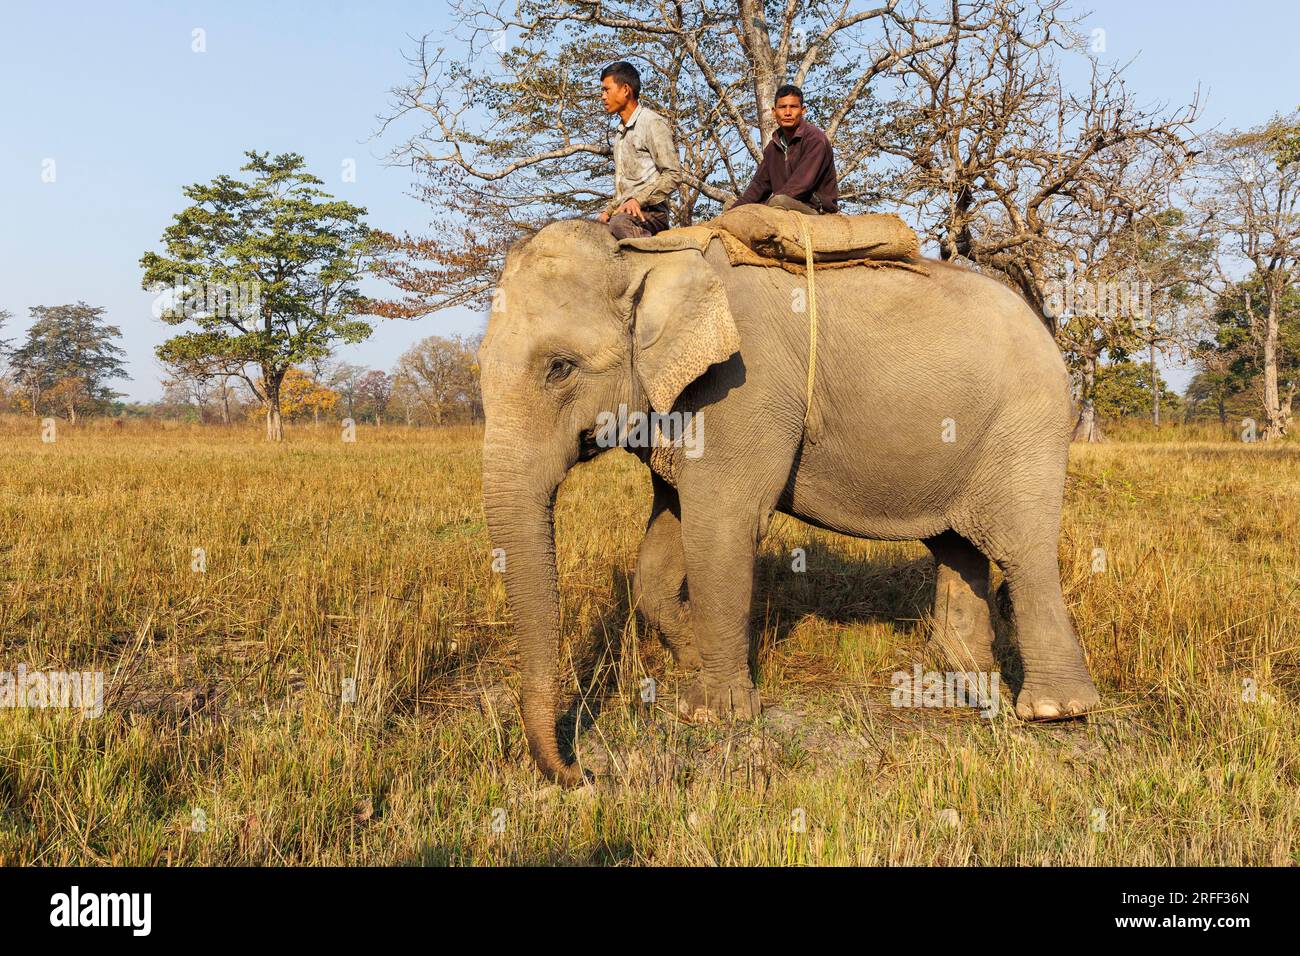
(129, 113)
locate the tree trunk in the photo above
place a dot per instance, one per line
(1274, 423)
(274, 425)
(755, 32)
(1155, 388)
(1088, 428)
(225, 405)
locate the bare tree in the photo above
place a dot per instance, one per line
(182, 387)
(513, 135)
(440, 374)
(1172, 259)
(197, 382)
(406, 397)
(1005, 167)
(373, 391)
(1122, 255)
(343, 377)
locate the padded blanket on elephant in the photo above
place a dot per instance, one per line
(740, 253)
(777, 234)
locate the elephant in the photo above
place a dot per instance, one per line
(940, 412)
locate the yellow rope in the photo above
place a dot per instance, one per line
(812, 312)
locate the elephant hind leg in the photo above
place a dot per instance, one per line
(962, 627)
(661, 576)
(1056, 681)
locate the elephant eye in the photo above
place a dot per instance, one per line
(559, 370)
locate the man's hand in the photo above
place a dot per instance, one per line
(603, 217)
(632, 208)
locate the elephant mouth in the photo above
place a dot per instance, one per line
(588, 448)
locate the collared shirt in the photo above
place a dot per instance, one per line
(645, 160)
(802, 167)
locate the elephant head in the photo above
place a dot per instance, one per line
(578, 327)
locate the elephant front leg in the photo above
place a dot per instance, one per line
(963, 627)
(719, 555)
(660, 576)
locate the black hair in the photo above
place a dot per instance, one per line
(788, 89)
(624, 72)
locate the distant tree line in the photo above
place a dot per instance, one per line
(434, 382)
(69, 357)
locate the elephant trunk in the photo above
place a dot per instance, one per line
(519, 499)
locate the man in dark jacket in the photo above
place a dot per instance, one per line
(798, 167)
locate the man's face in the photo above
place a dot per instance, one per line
(614, 95)
(788, 112)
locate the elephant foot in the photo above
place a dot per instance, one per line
(700, 702)
(1056, 700)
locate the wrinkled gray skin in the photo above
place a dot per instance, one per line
(581, 326)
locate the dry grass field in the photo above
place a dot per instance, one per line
(230, 735)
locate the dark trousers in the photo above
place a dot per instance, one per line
(623, 226)
(780, 201)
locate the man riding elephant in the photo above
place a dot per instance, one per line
(646, 170)
(798, 167)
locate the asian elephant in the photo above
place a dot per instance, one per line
(940, 413)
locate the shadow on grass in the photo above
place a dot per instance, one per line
(842, 590)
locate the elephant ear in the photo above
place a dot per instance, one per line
(681, 322)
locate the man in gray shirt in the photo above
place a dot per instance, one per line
(646, 170)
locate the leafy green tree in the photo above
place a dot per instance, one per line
(268, 270)
(1219, 393)
(68, 358)
(1123, 390)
